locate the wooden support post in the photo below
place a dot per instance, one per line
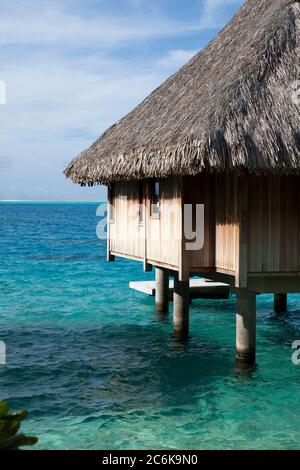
(246, 327)
(162, 290)
(242, 233)
(181, 307)
(280, 303)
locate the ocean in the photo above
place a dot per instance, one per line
(97, 369)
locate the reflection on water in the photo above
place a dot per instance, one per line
(245, 371)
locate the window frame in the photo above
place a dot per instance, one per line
(155, 199)
(141, 198)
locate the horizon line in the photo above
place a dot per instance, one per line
(50, 201)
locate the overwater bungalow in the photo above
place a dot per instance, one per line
(222, 136)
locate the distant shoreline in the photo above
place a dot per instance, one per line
(51, 202)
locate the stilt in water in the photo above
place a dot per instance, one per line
(181, 307)
(162, 290)
(280, 303)
(246, 328)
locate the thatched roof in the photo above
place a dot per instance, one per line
(230, 107)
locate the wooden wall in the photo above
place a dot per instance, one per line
(219, 195)
(155, 240)
(126, 233)
(163, 242)
(227, 223)
(257, 214)
(274, 224)
(200, 189)
(252, 225)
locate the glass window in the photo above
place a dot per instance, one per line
(155, 198)
(141, 202)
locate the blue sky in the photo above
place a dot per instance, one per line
(74, 67)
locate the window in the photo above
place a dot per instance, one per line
(155, 199)
(141, 202)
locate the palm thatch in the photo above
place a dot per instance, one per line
(230, 107)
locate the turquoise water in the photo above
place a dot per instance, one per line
(97, 369)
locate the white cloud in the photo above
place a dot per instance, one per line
(217, 12)
(52, 24)
(56, 108)
(66, 83)
(49, 23)
(60, 98)
(176, 58)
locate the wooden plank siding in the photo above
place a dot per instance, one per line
(126, 232)
(274, 224)
(227, 223)
(164, 233)
(200, 189)
(252, 226)
(156, 240)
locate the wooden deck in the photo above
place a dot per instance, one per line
(199, 288)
